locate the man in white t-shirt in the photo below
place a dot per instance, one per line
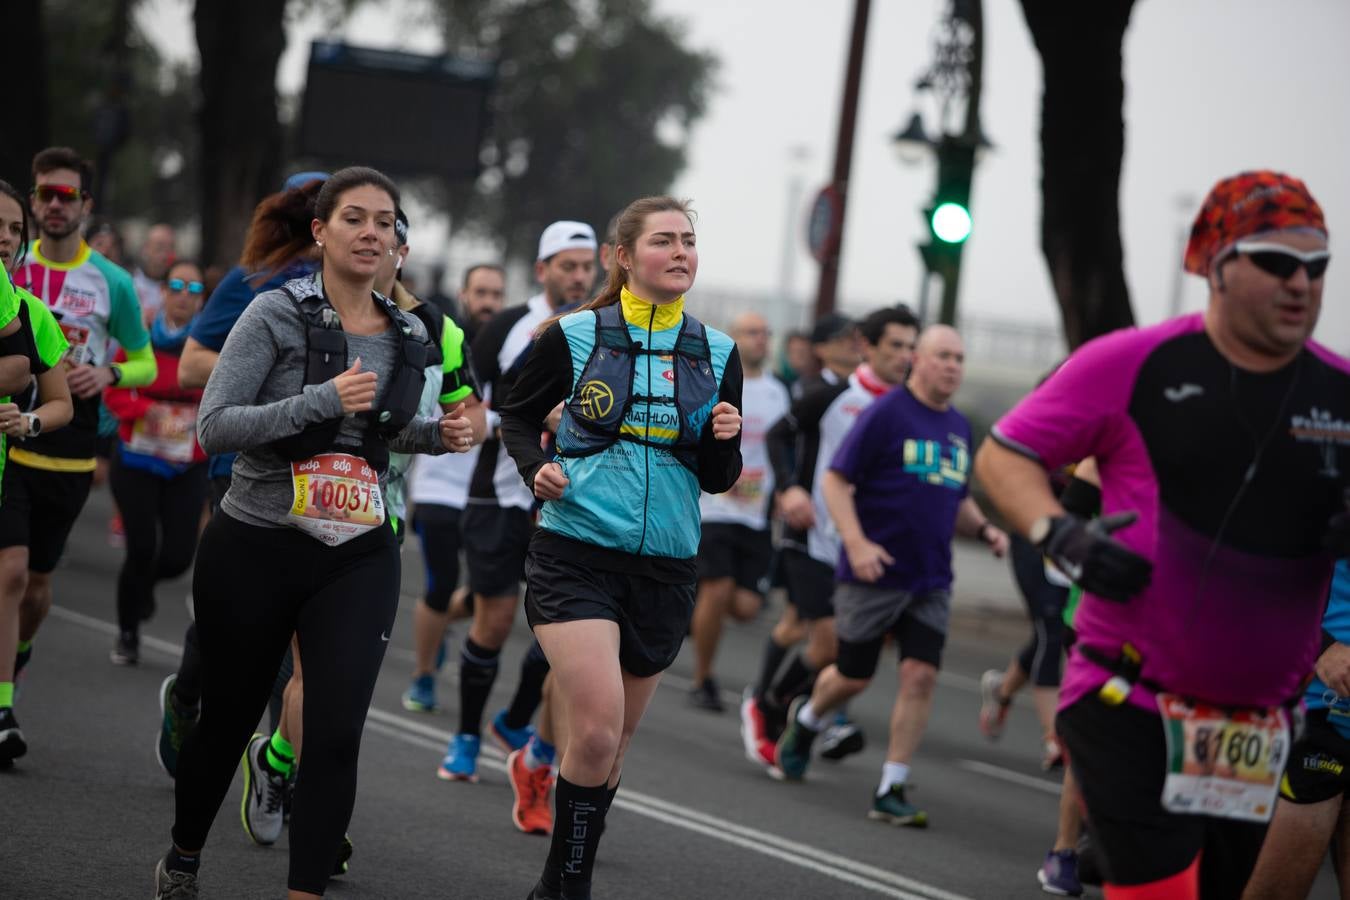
(157, 254)
(736, 549)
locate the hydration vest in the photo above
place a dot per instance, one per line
(593, 417)
(447, 355)
(326, 357)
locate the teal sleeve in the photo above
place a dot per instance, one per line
(124, 318)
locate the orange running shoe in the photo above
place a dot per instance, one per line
(532, 812)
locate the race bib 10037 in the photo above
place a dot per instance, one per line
(336, 497)
(1220, 762)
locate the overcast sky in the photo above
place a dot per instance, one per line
(1212, 87)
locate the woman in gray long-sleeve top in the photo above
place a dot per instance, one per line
(315, 384)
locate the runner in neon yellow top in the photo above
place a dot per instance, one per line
(44, 348)
(48, 477)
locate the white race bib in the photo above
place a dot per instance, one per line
(337, 497)
(1221, 763)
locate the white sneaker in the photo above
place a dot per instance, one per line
(264, 790)
(993, 710)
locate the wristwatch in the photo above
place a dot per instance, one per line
(34, 425)
(116, 374)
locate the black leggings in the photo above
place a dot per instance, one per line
(254, 588)
(1042, 656)
(161, 517)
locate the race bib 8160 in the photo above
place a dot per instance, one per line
(1223, 763)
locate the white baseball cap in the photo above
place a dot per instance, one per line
(566, 235)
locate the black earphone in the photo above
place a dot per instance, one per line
(1259, 450)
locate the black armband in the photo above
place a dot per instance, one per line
(1082, 498)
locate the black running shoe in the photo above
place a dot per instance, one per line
(842, 738)
(706, 696)
(12, 744)
(127, 650)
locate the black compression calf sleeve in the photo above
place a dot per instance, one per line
(579, 817)
(477, 672)
(769, 665)
(533, 670)
(187, 686)
(797, 679)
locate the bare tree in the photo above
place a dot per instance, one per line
(1082, 146)
(240, 42)
(27, 124)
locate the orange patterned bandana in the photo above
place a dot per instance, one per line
(1248, 204)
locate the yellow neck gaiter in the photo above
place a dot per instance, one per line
(639, 312)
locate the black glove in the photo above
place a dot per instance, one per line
(1086, 553)
(1337, 537)
(1082, 498)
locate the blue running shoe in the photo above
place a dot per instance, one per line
(461, 759)
(509, 739)
(421, 694)
(1059, 875)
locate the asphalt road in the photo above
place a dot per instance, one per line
(87, 812)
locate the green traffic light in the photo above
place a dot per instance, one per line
(951, 222)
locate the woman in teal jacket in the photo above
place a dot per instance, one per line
(650, 402)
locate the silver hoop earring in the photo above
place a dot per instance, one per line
(318, 243)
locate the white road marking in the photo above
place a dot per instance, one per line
(1031, 781)
(733, 700)
(832, 865)
(823, 862)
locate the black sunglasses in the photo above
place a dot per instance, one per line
(1283, 262)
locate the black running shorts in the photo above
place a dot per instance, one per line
(37, 510)
(810, 585)
(653, 616)
(866, 614)
(438, 528)
(1119, 755)
(728, 550)
(495, 540)
(1319, 763)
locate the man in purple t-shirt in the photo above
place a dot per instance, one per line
(896, 491)
(1223, 445)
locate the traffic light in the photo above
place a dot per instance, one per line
(949, 217)
(949, 221)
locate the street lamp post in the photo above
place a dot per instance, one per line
(825, 228)
(953, 77)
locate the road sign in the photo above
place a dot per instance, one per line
(825, 224)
